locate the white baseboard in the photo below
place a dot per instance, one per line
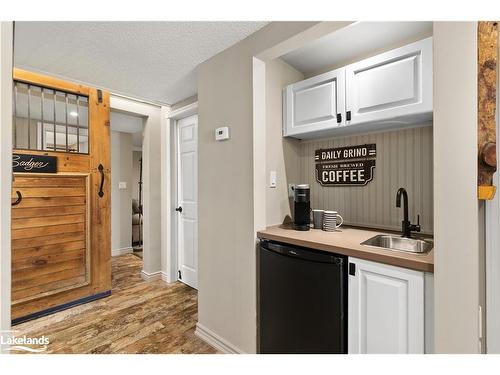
(158, 275)
(215, 341)
(164, 276)
(146, 276)
(122, 251)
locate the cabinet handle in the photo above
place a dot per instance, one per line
(339, 118)
(352, 269)
(348, 116)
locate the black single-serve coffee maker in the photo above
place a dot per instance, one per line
(302, 207)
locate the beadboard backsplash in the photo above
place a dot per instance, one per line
(404, 159)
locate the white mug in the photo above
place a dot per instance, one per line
(334, 214)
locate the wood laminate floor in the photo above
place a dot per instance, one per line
(139, 317)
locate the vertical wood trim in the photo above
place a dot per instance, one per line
(487, 61)
(88, 229)
(100, 219)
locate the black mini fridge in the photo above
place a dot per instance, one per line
(302, 300)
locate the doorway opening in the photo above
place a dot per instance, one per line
(127, 222)
(137, 202)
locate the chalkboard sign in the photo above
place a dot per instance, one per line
(34, 163)
(345, 166)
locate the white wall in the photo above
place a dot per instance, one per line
(6, 42)
(227, 273)
(282, 154)
(456, 215)
(121, 200)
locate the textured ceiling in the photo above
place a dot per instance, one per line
(149, 60)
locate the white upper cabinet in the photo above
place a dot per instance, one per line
(390, 90)
(395, 84)
(315, 104)
(385, 309)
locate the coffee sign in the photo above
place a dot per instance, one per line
(345, 166)
(34, 163)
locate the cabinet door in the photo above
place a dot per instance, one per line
(315, 104)
(386, 309)
(391, 85)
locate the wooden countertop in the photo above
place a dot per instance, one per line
(346, 241)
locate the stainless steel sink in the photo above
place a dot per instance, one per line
(410, 245)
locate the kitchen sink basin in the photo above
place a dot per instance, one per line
(410, 245)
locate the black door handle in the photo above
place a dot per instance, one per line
(18, 200)
(179, 209)
(101, 170)
(352, 269)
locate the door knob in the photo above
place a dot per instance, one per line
(179, 209)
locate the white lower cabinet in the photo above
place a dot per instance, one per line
(386, 309)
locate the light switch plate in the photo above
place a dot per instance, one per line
(272, 179)
(122, 185)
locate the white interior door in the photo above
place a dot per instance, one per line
(187, 208)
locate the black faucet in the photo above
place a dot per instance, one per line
(406, 226)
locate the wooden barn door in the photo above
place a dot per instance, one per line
(61, 202)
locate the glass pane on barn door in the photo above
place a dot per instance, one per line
(49, 120)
